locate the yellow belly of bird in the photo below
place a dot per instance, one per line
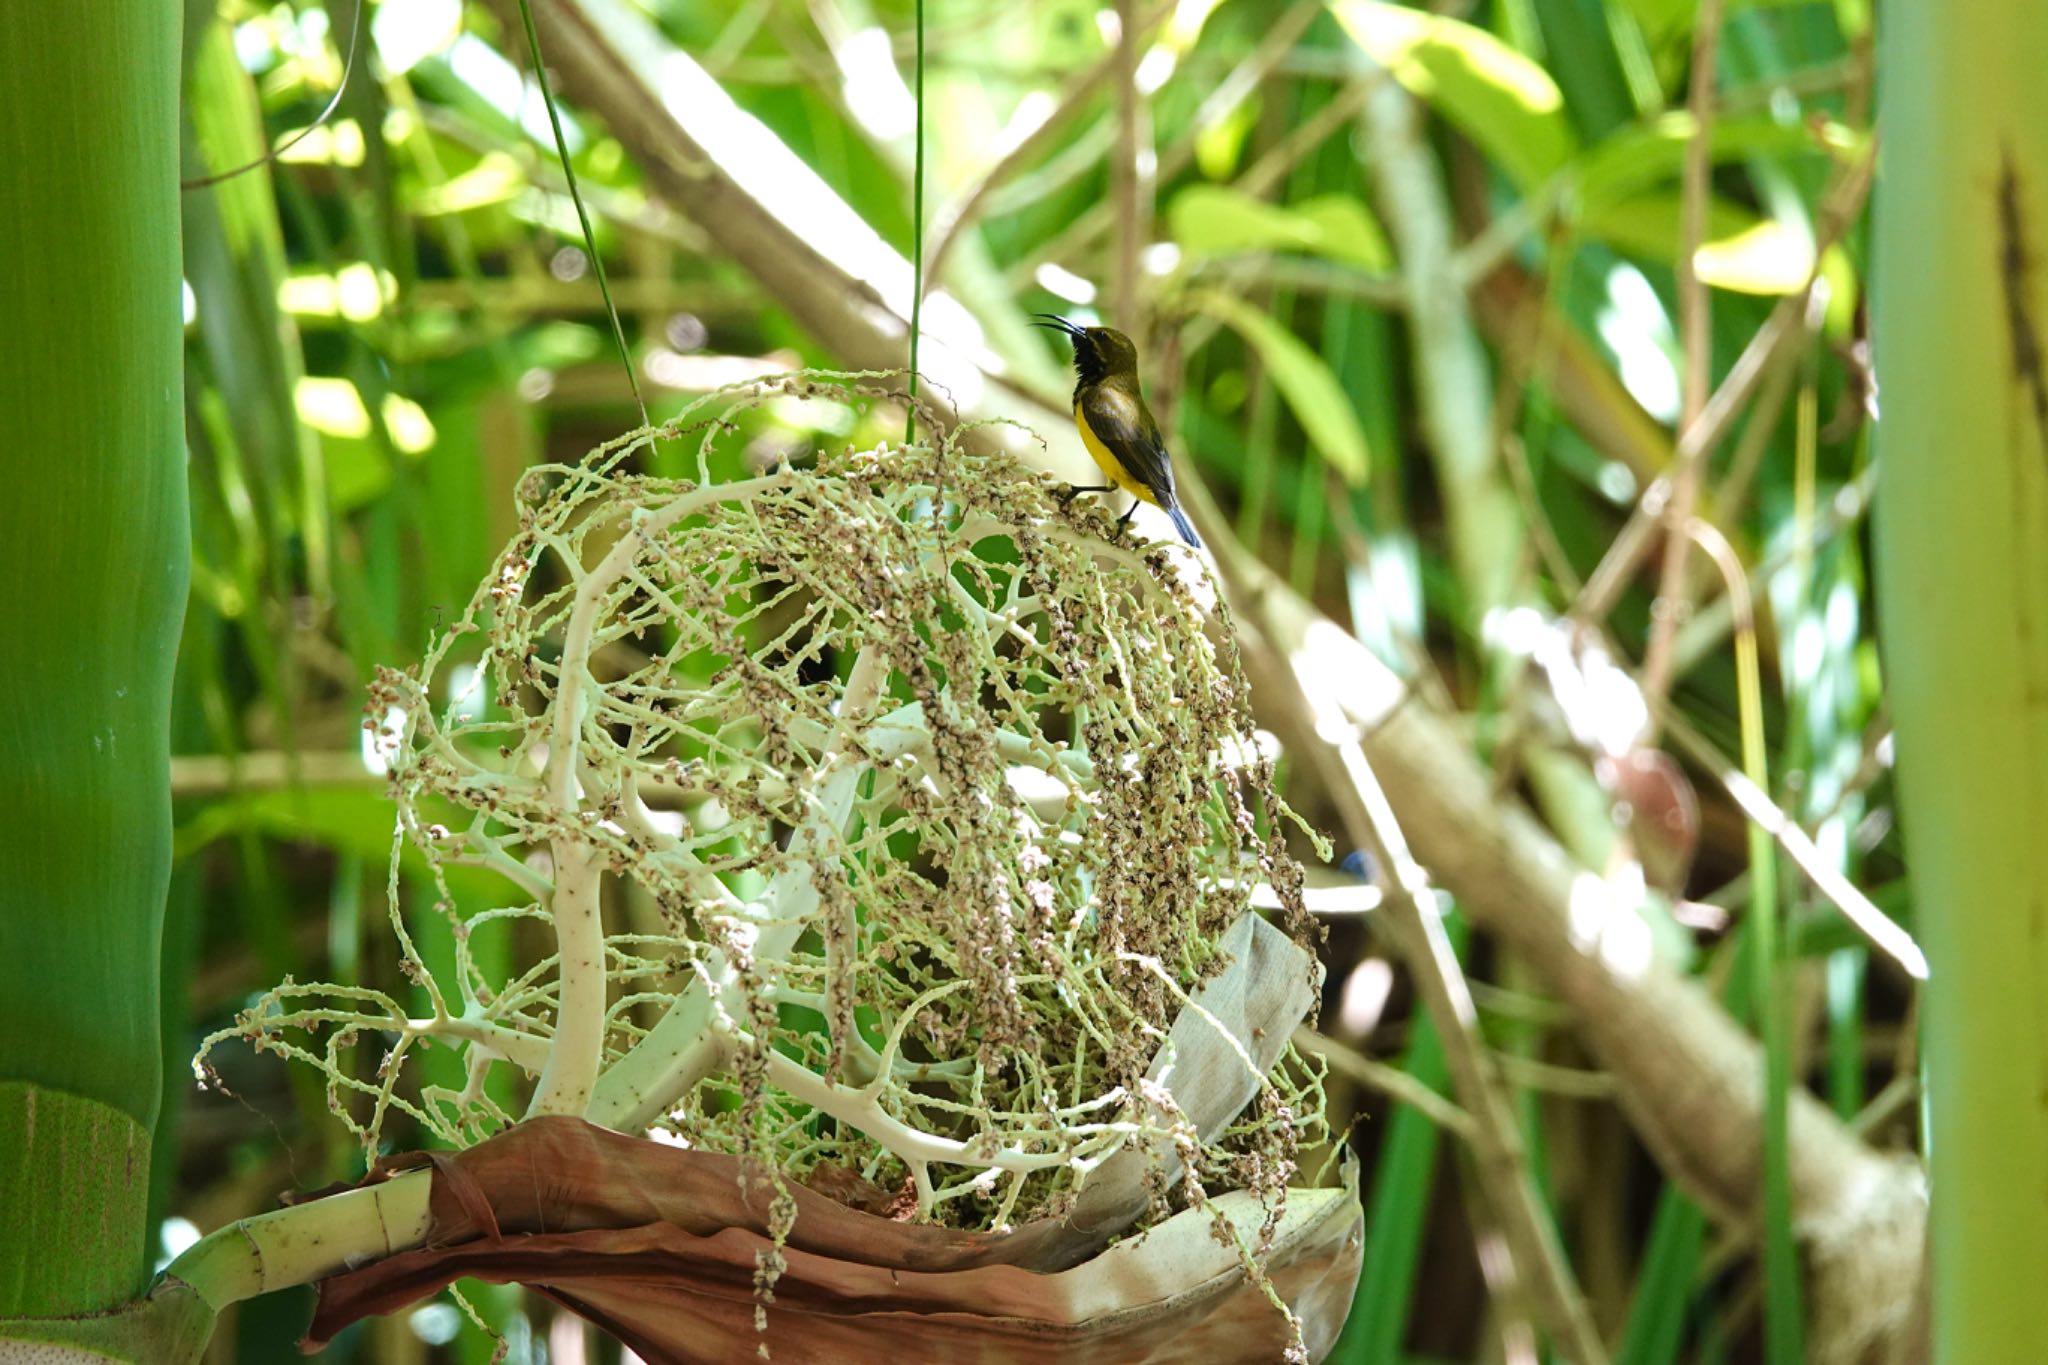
(1112, 467)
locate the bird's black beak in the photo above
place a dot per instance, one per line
(1054, 322)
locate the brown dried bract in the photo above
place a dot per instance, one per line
(658, 1246)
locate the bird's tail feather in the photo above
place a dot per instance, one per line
(1184, 526)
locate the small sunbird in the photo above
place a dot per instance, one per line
(1115, 424)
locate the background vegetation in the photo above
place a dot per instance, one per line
(1445, 310)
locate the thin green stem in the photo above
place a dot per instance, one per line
(547, 96)
(1783, 1317)
(916, 233)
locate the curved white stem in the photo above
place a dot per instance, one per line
(307, 1241)
(570, 1076)
(680, 1050)
(578, 1046)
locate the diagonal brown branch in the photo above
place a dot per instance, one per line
(1688, 1076)
(844, 314)
(1308, 694)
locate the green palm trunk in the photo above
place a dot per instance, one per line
(93, 544)
(1961, 314)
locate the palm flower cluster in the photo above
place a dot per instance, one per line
(876, 820)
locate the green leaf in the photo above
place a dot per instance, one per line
(357, 470)
(1764, 257)
(1627, 199)
(1397, 1209)
(1671, 20)
(496, 179)
(1661, 19)
(1742, 252)
(1650, 154)
(1580, 42)
(1503, 101)
(1303, 379)
(1656, 1315)
(235, 263)
(558, 345)
(1217, 220)
(1219, 147)
(355, 820)
(1348, 230)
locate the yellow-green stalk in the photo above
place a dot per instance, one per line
(1961, 311)
(93, 564)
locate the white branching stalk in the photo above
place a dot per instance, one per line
(690, 1041)
(790, 712)
(578, 1044)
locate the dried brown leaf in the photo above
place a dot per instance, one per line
(659, 1246)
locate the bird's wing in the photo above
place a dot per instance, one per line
(1120, 421)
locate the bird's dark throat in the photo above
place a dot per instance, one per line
(1088, 365)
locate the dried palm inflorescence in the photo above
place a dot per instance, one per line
(878, 820)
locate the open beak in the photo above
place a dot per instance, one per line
(1054, 322)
